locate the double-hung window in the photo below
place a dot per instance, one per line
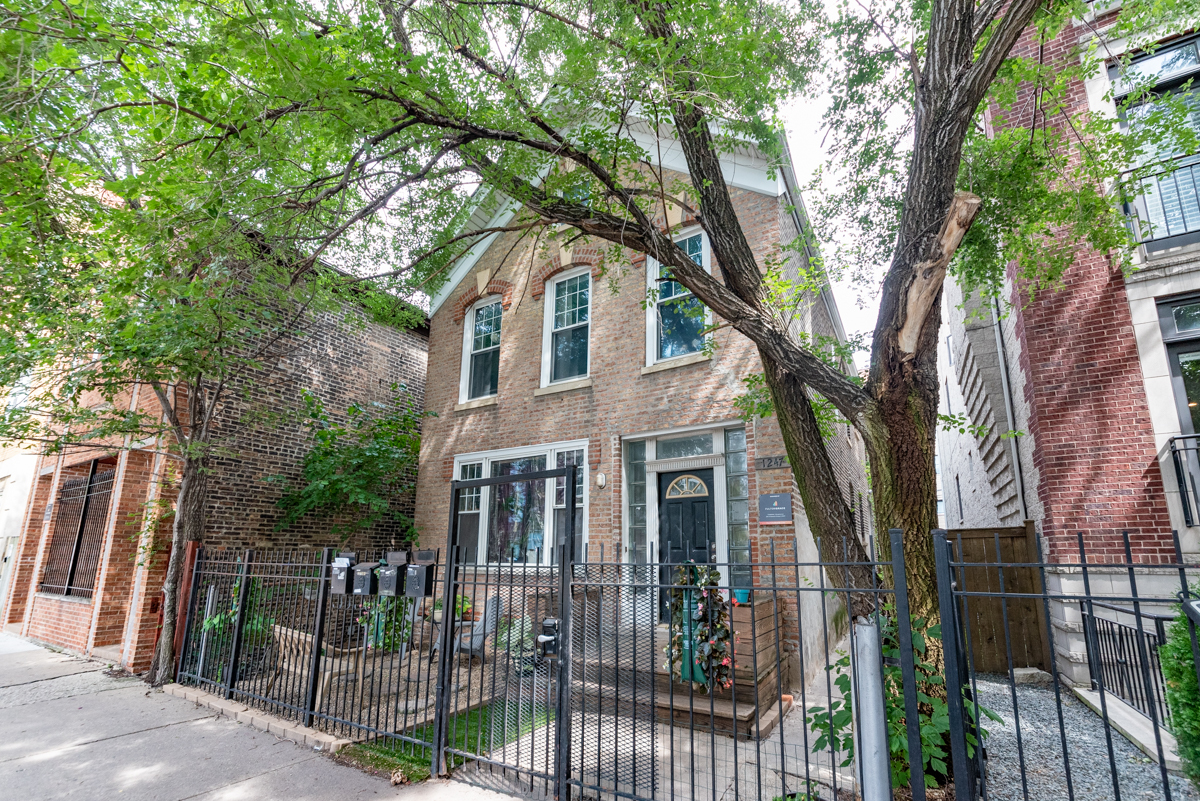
(1164, 207)
(483, 341)
(678, 319)
(568, 318)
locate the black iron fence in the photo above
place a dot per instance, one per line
(1115, 645)
(1060, 739)
(591, 677)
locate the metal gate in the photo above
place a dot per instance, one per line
(509, 719)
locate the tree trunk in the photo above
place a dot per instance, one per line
(829, 518)
(188, 527)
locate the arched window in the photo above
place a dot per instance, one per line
(687, 487)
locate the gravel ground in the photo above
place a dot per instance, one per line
(1041, 745)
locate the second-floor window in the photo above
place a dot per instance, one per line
(1164, 209)
(485, 351)
(568, 322)
(679, 317)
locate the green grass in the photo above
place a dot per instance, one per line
(478, 729)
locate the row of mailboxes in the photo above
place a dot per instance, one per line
(388, 579)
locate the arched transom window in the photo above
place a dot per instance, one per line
(687, 487)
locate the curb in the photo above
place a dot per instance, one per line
(284, 729)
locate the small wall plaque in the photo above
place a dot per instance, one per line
(774, 509)
(770, 463)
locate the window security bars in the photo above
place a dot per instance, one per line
(73, 556)
(557, 679)
(1114, 653)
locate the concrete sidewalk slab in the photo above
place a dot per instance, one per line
(15, 645)
(87, 735)
(24, 667)
(87, 718)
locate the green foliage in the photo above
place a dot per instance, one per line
(834, 724)
(1049, 174)
(356, 469)
(711, 626)
(388, 622)
(256, 625)
(515, 636)
(1183, 694)
(462, 605)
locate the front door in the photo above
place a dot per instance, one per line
(687, 530)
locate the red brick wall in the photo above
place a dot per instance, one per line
(621, 401)
(1095, 455)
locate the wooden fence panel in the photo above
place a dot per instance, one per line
(1026, 622)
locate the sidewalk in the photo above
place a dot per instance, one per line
(68, 730)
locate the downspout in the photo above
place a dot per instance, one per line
(1008, 407)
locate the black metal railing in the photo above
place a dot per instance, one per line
(1115, 654)
(567, 678)
(1163, 208)
(1185, 457)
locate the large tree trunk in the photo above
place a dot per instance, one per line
(829, 517)
(188, 527)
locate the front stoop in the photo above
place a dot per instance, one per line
(1136, 727)
(285, 729)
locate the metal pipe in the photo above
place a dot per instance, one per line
(871, 746)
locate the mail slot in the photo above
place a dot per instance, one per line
(342, 574)
(365, 582)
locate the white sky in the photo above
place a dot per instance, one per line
(802, 118)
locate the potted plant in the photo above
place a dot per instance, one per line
(515, 638)
(462, 606)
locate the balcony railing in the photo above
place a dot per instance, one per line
(1129, 670)
(1185, 456)
(1163, 208)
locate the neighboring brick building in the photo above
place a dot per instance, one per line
(1095, 373)
(541, 359)
(93, 555)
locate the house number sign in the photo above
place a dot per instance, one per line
(770, 463)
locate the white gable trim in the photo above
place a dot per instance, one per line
(743, 171)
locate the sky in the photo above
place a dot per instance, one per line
(802, 119)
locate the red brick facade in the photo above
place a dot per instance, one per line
(622, 399)
(1093, 443)
(261, 442)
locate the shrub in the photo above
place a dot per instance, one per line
(834, 726)
(1183, 695)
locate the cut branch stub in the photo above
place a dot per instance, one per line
(929, 275)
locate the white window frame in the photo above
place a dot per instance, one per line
(550, 451)
(548, 325)
(464, 379)
(653, 267)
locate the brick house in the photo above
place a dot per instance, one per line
(544, 358)
(93, 554)
(1097, 374)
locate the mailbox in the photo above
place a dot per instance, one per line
(418, 581)
(342, 574)
(547, 641)
(392, 575)
(365, 582)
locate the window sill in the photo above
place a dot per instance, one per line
(479, 403)
(70, 599)
(563, 386)
(678, 361)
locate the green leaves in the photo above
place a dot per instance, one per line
(357, 469)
